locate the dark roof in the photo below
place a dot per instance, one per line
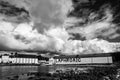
(25, 56)
(88, 55)
(42, 58)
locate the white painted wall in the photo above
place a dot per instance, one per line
(100, 60)
(90, 60)
(110, 60)
(5, 59)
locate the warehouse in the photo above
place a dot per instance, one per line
(24, 59)
(84, 59)
(19, 59)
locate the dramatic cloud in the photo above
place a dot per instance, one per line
(56, 25)
(95, 29)
(47, 13)
(10, 12)
(23, 37)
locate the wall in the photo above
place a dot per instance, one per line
(91, 60)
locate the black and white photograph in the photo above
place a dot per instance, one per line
(59, 39)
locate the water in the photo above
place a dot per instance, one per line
(7, 71)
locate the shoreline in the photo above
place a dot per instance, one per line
(19, 64)
(70, 65)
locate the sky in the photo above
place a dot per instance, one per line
(69, 27)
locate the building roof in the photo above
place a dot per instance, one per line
(24, 56)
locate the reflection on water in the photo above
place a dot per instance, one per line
(15, 70)
(6, 71)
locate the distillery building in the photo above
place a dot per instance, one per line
(87, 59)
(24, 59)
(19, 58)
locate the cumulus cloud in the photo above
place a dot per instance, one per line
(23, 37)
(47, 19)
(51, 27)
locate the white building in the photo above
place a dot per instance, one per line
(19, 59)
(51, 61)
(90, 59)
(24, 59)
(5, 58)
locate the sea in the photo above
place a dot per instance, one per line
(7, 71)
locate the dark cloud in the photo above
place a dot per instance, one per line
(76, 37)
(12, 13)
(40, 27)
(46, 13)
(96, 12)
(94, 19)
